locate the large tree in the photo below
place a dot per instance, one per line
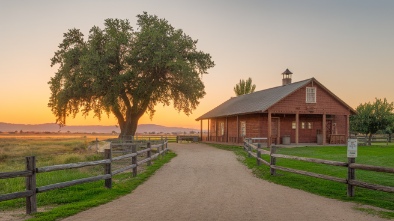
(244, 87)
(127, 73)
(372, 117)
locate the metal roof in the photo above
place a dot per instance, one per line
(287, 72)
(258, 101)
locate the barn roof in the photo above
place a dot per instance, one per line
(259, 101)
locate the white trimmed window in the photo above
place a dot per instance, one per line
(293, 125)
(302, 125)
(310, 94)
(243, 128)
(221, 128)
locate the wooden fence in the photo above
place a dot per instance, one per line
(191, 138)
(149, 138)
(363, 140)
(31, 170)
(255, 151)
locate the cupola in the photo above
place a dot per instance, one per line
(286, 77)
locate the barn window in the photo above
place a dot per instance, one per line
(293, 125)
(243, 128)
(221, 128)
(310, 94)
(302, 125)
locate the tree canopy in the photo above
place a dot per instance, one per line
(244, 87)
(127, 73)
(372, 117)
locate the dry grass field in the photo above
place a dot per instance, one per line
(49, 149)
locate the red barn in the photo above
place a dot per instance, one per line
(300, 112)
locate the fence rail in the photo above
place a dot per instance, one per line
(32, 170)
(363, 140)
(351, 165)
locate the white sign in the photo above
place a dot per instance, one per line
(352, 148)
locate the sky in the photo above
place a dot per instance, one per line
(347, 45)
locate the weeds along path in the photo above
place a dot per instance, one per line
(205, 183)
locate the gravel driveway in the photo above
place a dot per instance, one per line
(205, 183)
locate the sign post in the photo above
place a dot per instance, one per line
(351, 175)
(352, 148)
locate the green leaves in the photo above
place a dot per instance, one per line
(372, 117)
(127, 72)
(244, 87)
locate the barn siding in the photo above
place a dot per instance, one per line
(325, 103)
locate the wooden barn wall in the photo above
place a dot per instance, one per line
(325, 103)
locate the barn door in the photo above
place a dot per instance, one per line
(275, 130)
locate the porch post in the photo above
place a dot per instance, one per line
(324, 128)
(201, 130)
(216, 130)
(278, 135)
(297, 127)
(208, 137)
(347, 133)
(227, 129)
(269, 141)
(237, 129)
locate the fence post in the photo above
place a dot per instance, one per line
(158, 151)
(31, 201)
(351, 175)
(134, 159)
(107, 168)
(258, 154)
(273, 160)
(162, 149)
(166, 148)
(149, 153)
(249, 149)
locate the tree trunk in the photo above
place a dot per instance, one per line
(128, 128)
(370, 139)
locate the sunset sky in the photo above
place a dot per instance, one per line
(347, 45)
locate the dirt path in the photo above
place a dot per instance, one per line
(205, 183)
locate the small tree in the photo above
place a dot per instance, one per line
(244, 87)
(372, 117)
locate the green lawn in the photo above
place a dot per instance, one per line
(379, 155)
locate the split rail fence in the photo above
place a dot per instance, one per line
(128, 150)
(255, 151)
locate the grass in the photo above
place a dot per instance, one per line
(371, 155)
(53, 150)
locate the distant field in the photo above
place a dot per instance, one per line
(53, 149)
(49, 148)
